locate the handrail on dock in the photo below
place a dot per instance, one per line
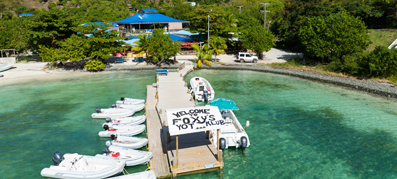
(182, 66)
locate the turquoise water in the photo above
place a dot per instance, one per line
(299, 128)
(43, 117)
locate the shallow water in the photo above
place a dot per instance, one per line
(299, 128)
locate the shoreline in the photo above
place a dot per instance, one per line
(29, 72)
(369, 86)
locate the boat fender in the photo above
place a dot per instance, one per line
(57, 158)
(106, 151)
(113, 105)
(112, 129)
(222, 144)
(108, 120)
(122, 98)
(108, 143)
(113, 137)
(116, 154)
(244, 143)
(98, 110)
(106, 127)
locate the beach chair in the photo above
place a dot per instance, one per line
(118, 60)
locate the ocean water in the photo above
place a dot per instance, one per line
(298, 128)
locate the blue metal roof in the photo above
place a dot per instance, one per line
(100, 23)
(180, 39)
(150, 10)
(148, 18)
(26, 14)
(184, 32)
(224, 104)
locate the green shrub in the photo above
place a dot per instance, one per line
(94, 65)
(381, 62)
(348, 65)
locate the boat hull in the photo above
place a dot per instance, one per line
(130, 131)
(128, 142)
(94, 169)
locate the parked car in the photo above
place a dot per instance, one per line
(246, 57)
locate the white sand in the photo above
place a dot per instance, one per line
(34, 71)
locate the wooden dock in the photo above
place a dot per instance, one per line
(196, 153)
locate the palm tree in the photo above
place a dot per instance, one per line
(143, 45)
(203, 54)
(218, 45)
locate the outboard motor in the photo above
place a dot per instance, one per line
(98, 110)
(205, 95)
(113, 105)
(122, 98)
(57, 158)
(106, 151)
(244, 143)
(106, 127)
(108, 120)
(222, 144)
(113, 137)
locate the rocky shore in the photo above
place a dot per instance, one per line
(370, 86)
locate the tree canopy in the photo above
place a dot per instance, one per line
(334, 36)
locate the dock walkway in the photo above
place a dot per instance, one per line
(195, 152)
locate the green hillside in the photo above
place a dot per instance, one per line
(381, 37)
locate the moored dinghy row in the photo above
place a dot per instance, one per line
(119, 154)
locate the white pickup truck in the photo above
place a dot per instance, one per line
(246, 57)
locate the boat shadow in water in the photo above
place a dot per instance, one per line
(368, 153)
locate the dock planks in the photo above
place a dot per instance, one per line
(195, 152)
(159, 161)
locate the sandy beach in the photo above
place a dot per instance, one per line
(34, 71)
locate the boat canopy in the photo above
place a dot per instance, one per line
(224, 104)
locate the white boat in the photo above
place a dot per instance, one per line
(130, 101)
(232, 134)
(201, 89)
(122, 131)
(112, 113)
(140, 175)
(132, 157)
(4, 67)
(127, 142)
(136, 107)
(122, 124)
(82, 166)
(133, 120)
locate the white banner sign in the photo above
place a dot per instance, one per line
(191, 120)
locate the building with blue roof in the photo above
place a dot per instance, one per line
(149, 19)
(26, 14)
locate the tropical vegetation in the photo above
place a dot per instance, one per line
(330, 33)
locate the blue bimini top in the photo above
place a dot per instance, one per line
(224, 104)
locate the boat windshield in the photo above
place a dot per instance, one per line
(201, 88)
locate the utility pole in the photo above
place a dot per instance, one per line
(209, 29)
(240, 8)
(265, 11)
(268, 26)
